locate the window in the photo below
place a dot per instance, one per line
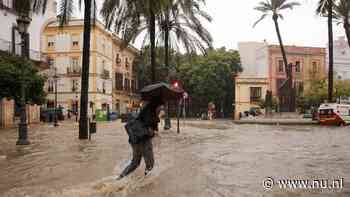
(314, 67)
(75, 41)
(255, 94)
(279, 84)
(127, 84)
(50, 86)
(103, 88)
(119, 81)
(75, 62)
(297, 67)
(6, 4)
(280, 66)
(117, 59)
(50, 41)
(299, 86)
(74, 85)
(126, 63)
(133, 86)
(50, 61)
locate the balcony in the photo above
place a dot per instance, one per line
(73, 72)
(105, 74)
(16, 49)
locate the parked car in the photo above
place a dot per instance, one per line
(113, 116)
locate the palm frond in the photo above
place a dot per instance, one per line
(260, 19)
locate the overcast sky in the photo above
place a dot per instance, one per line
(233, 22)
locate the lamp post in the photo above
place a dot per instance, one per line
(23, 23)
(75, 88)
(56, 79)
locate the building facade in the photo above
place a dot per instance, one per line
(341, 59)
(263, 69)
(10, 39)
(112, 76)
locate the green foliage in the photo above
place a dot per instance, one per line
(318, 91)
(14, 71)
(210, 78)
(143, 64)
(264, 103)
(182, 22)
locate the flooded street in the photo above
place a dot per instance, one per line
(207, 159)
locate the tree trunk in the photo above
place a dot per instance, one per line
(166, 40)
(347, 30)
(152, 32)
(282, 47)
(84, 98)
(287, 69)
(330, 45)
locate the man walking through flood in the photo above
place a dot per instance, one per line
(141, 130)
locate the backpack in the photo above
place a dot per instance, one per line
(137, 132)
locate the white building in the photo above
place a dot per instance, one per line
(252, 83)
(9, 37)
(254, 59)
(341, 59)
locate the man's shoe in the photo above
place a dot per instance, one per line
(147, 172)
(119, 177)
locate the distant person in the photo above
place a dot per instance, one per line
(141, 131)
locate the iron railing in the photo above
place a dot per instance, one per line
(16, 49)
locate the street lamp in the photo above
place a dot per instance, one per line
(76, 100)
(55, 78)
(22, 25)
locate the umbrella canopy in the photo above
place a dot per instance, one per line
(161, 90)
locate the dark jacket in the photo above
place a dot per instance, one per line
(148, 116)
(138, 128)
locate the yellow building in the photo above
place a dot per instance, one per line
(248, 92)
(112, 75)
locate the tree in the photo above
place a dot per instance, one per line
(209, 78)
(164, 72)
(65, 13)
(342, 11)
(180, 22)
(325, 8)
(275, 7)
(16, 70)
(132, 18)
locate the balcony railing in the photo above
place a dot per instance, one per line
(105, 74)
(73, 71)
(16, 49)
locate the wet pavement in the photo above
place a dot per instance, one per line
(207, 159)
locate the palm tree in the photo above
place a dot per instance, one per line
(342, 10)
(176, 23)
(325, 8)
(275, 7)
(180, 22)
(132, 18)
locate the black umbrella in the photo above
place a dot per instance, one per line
(161, 90)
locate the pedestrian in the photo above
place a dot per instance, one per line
(141, 144)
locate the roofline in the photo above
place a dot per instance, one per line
(99, 24)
